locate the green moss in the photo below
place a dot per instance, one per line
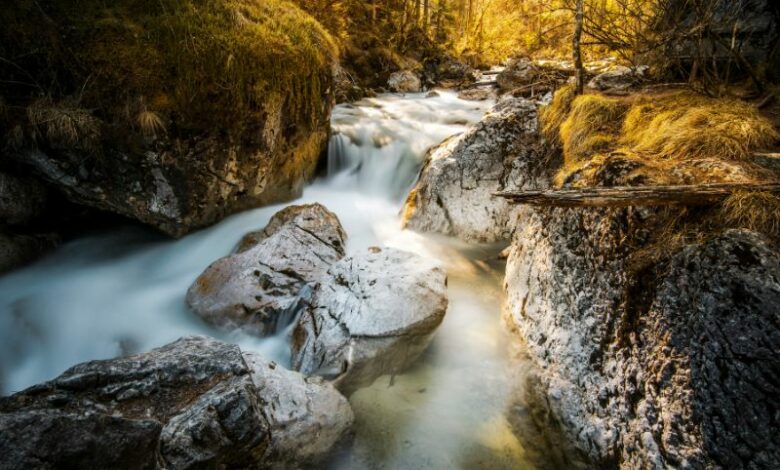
(194, 66)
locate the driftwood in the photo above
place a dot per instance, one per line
(623, 196)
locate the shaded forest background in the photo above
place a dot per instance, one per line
(710, 41)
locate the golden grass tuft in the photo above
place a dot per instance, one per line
(757, 211)
(64, 124)
(686, 126)
(552, 116)
(150, 123)
(680, 137)
(591, 127)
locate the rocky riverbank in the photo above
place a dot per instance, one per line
(103, 105)
(656, 337)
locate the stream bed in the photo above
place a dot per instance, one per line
(122, 291)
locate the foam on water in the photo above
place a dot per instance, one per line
(123, 292)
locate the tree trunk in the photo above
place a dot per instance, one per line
(417, 12)
(426, 12)
(623, 196)
(580, 71)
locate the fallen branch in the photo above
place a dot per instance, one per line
(623, 196)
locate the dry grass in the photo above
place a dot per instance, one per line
(670, 135)
(678, 138)
(757, 211)
(150, 123)
(552, 116)
(592, 127)
(64, 124)
(686, 126)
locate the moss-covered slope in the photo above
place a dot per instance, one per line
(175, 112)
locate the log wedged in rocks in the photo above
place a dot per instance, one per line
(624, 196)
(373, 314)
(195, 403)
(256, 288)
(453, 194)
(667, 367)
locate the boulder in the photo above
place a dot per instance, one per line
(373, 314)
(17, 249)
(24, 229)
(453, 194)
(648, 360)
(162, 133)
(618, 77)
(447, 72)
(404, 81)
(195, 403)
(518, 72)
(256, 288)
(21, 199)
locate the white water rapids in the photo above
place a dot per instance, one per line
(123, 292)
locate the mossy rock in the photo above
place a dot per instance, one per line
(173, 112)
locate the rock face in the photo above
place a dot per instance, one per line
(373, 314)
(404, 81)
(162, 134)
(651, 364)
(618, 77)
(23, 203)
(195, 403)
(257, 287)
(453, 195)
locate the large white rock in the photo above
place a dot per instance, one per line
(256, 289)
(373, 314)
(454, 193)
(194, 403)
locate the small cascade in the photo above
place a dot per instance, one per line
(122, 292)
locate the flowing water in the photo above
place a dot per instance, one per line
(460, 406)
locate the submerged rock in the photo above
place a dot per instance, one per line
(373, 314)
(476, 94)
(404, 81)
(195, 403)
(256, 288)
(453, 195)
(651, 364)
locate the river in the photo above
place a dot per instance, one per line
(122, 291)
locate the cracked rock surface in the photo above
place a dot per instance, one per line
(671, 366)
(256, 288)
(372, 314)
(453, 195)
(194, 403)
